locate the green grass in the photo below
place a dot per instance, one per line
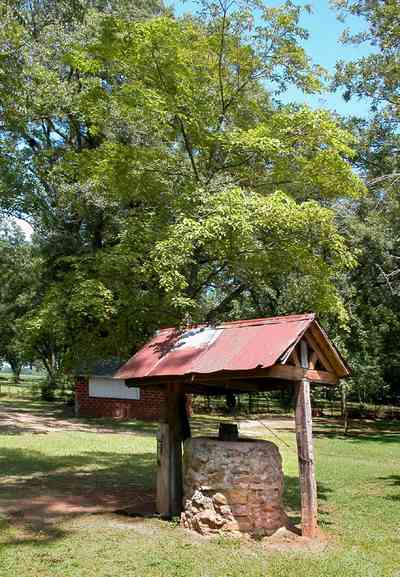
(359, 501)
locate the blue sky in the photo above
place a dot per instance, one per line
(324, 48)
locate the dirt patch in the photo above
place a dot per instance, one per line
(285, 540)
(41, 516)
(14, 421)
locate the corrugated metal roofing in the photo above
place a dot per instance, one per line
(228, 347)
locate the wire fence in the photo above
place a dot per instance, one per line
(323, 405)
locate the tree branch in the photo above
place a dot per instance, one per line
(224, 304)
(188, 147)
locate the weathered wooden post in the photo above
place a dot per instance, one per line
(308, 485)
(171, 435)
(162, 496)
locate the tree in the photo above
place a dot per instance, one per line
(373, 225)
(42, 120)
(188, 188)
(17, 290)
(231, 181)
(377, 75)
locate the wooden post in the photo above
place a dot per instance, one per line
(163, 446)
(169, 476)
(175, 456)
(308, 485)
(345, 413)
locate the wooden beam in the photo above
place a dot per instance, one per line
(246, 381)
(303, 354)
(305, 450)
(169, 453)
(317, 349)
(329, 351)
(169, 474)
(295, 357)
(313, 360)
(163, 494)
(292, 373)
(184, 418)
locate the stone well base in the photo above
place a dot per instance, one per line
(232, 487)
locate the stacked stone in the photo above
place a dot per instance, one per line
(208, 515)
(232, 487)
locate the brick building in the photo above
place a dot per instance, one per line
(97, 394)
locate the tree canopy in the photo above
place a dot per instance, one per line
(167, 182)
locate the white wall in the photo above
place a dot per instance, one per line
(109, 388)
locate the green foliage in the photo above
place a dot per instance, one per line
(372, 225)
(18, 273)
(378, 74)
(166, 180)
(219, 170)
(259, 238)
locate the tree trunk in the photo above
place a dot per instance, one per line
(49, 388)
(16, 367)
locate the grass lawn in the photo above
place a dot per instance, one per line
(359, 492)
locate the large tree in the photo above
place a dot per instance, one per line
(372, 224)
(190, 189)
(42, 120)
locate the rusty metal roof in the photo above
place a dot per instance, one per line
(228, 347)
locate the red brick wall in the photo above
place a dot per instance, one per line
(150, 407)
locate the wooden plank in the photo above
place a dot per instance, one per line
(303, 354)
(315, 346)
(163, 493)
(291, 373)
(249, 380)
(329, 350)
(323, 377)
(295, 357)
(308, 486)
(313, 360)
(175, 391)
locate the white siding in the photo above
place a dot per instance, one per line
(112, 389)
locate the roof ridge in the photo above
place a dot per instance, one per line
(258, 320)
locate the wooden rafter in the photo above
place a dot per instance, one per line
(295, 358)
(291, 373)
(313, 360)
(328, 350)
(317, 350)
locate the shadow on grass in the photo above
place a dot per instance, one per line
(359, 430)
(292, 501)
(392, 481)
(36, 406)
(119, 426)
(38, 491)
(360, 436)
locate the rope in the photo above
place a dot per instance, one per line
(277, 436)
